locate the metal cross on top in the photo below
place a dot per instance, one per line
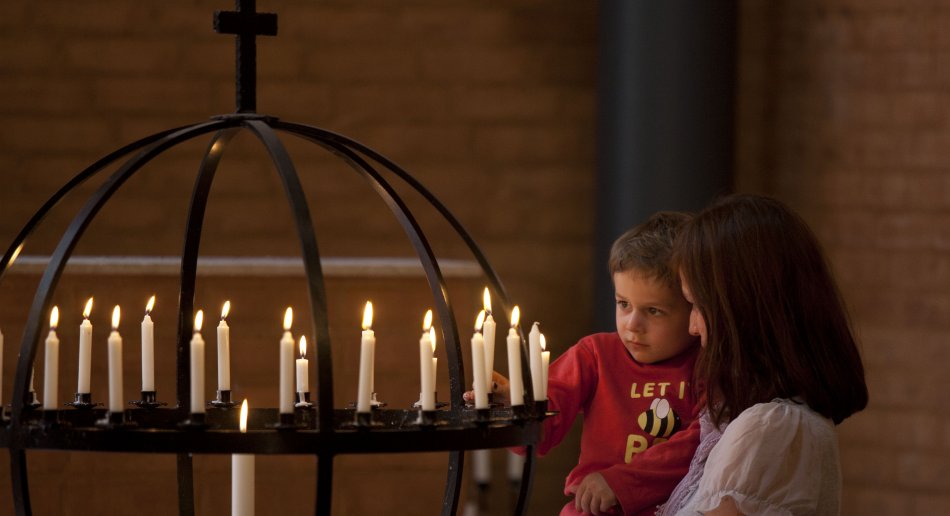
(246, 24)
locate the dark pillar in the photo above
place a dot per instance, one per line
(666, 88)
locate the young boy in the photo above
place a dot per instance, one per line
(632, 386)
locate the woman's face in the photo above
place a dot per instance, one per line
(697, 325)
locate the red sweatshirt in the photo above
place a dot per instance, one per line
(627, 429)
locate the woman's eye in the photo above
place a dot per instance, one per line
(622, 304)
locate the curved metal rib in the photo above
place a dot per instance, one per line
(48, 283)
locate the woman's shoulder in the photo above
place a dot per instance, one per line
(779, 416)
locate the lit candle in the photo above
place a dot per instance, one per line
(85, 350)
(545, 363)
(534, 354)
(303, 374)
(148, 348)
(286, 358)
(367, 352)
(426, 349)
(51, 372)
(224, 349)
(515, 381)
(198, 367)
(478, 364)
(115, 365)
(242, 476)
(488, 331)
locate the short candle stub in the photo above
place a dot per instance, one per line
(149, 401)
(223, 401)
(83, 401)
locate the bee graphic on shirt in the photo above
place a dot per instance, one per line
(659, 420)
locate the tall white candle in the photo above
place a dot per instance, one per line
(478, 364)
(303, 373)
(286, 357)
(242, 476)
(534, 354)
(85, 350)
(435, 364)
(427, 390)
(224, 349)
(367, 352)
(148, 348)
(51, 371)
(198, 367)
(115, 365)
(488, 331)
(515, 381)
(545, 363)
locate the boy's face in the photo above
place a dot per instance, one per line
(652, 318)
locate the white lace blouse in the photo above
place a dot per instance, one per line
(776, 458)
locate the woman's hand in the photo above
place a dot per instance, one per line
(499, 386)
(593, 495)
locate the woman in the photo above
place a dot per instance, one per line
(779, 366)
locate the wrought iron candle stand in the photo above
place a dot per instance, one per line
(320, 430)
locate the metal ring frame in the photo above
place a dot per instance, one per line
(331, 432)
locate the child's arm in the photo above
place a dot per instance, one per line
(651, 475)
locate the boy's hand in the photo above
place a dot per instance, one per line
(499, 386)
(593, 495)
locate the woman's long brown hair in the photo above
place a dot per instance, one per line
(776, 324)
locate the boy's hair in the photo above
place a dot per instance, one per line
(648, 247)
(776, 324)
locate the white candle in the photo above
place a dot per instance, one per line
(426, 348)
(303, 373)
(515, 381)
(488, 331)
(224, 350)
(242, 476)
(286, 357)
(148, 348)
(534, 354)
(198, 367)
(51, 371)
(85, 350)
(435, 364)
(478, 364)
(367, 352)
(515, 467)
(545, 363)
(481, 466)
(115, 365)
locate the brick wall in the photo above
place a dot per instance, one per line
(843, 113)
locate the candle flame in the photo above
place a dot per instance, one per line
(480, 320)
(303, 346)
(54, 318)
(225, 310)
(16, 254)
(288, 318)
(149, 305)
(199, 318)
(432, 338)
(486, 300)
(115, 317)
(368, 316)
(544, 344)
(427, 321)
(243, 423)
(88, 310)
(515, 316)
